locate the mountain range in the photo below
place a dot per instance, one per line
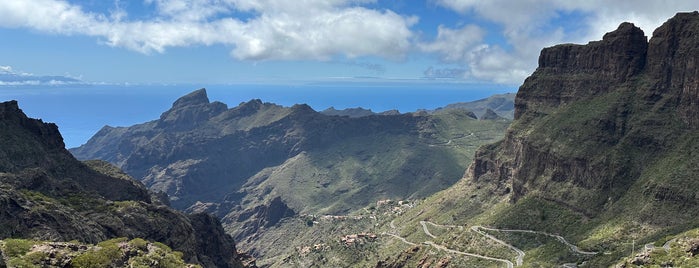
(257, 163)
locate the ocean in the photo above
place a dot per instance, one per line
(81, 110)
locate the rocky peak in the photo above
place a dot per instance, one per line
(620, 54)
(196, 97)
(572, 72)
(11, 114)
(250, 107)
(190, 111)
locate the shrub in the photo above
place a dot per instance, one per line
(106, 254)
(17, 247)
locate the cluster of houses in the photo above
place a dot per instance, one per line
(357, 239)
(341, 218)
(395, 207)
(304, 250)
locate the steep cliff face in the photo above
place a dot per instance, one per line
(599, 123)
(568, 73)
(46, 194)
(673, 56)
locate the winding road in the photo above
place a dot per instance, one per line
(479, 229)
(572, 247)
(520, 253)
(665, 246)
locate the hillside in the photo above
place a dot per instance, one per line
(501, 105)
(47, 195)
(601, 152)
(258, 163)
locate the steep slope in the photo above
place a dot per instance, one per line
(602, 150)
(46, 194)
(257, 163)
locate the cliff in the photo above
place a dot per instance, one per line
(607, 132)
(46, 194)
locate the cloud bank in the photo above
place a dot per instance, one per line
(281, 30)
(528, 26)
(9, 77)
(259, 30)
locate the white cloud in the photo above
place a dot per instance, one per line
(280, 29)
(455, 45)
(9, 77)
(526, 26)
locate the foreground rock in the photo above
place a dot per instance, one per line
(47, 195)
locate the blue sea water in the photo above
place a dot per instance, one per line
(80, 110)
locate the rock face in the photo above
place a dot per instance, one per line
(46, 194)
(600, 123)
(569, 72)
(190, 111)
(672, 63)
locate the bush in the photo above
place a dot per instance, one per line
(139, 243)
(17, 247)
(107, 253)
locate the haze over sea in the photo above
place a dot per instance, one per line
(81, 110)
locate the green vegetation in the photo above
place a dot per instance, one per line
(118, 252)
(17, 247)
(675, 251)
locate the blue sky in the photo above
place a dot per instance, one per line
(273, 41)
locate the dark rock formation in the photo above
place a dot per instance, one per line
(190, 111)
(213, 244)
(264, 216)
(673, 55)
(570, 72)
(594, 120)
(47, 194)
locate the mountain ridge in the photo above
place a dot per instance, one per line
(46, 194)
(259, 163)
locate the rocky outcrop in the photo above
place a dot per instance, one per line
(46, 194)
(190, 111)
(214, 246)
(595, 119)
(568, 73)
(673, 55)
(263, 216)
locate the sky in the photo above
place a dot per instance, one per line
(494, 42)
